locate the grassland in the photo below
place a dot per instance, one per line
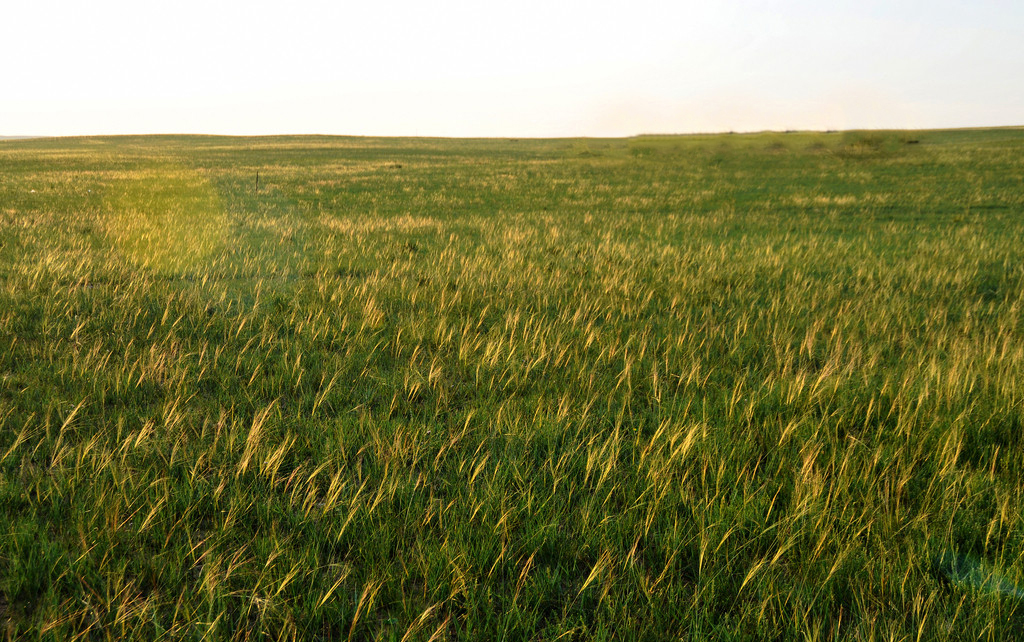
(704, 387)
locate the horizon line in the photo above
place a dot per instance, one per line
(16, 137)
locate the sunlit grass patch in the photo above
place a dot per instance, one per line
(166, 219)
(363, 224)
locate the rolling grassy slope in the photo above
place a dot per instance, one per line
(700, 387)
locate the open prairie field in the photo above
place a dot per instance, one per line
(663, 388)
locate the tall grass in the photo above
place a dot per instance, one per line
(732, 387)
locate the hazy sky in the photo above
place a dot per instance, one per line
(523, 68)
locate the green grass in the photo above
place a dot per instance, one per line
(702, 387)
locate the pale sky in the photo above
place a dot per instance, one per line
(523, 68)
